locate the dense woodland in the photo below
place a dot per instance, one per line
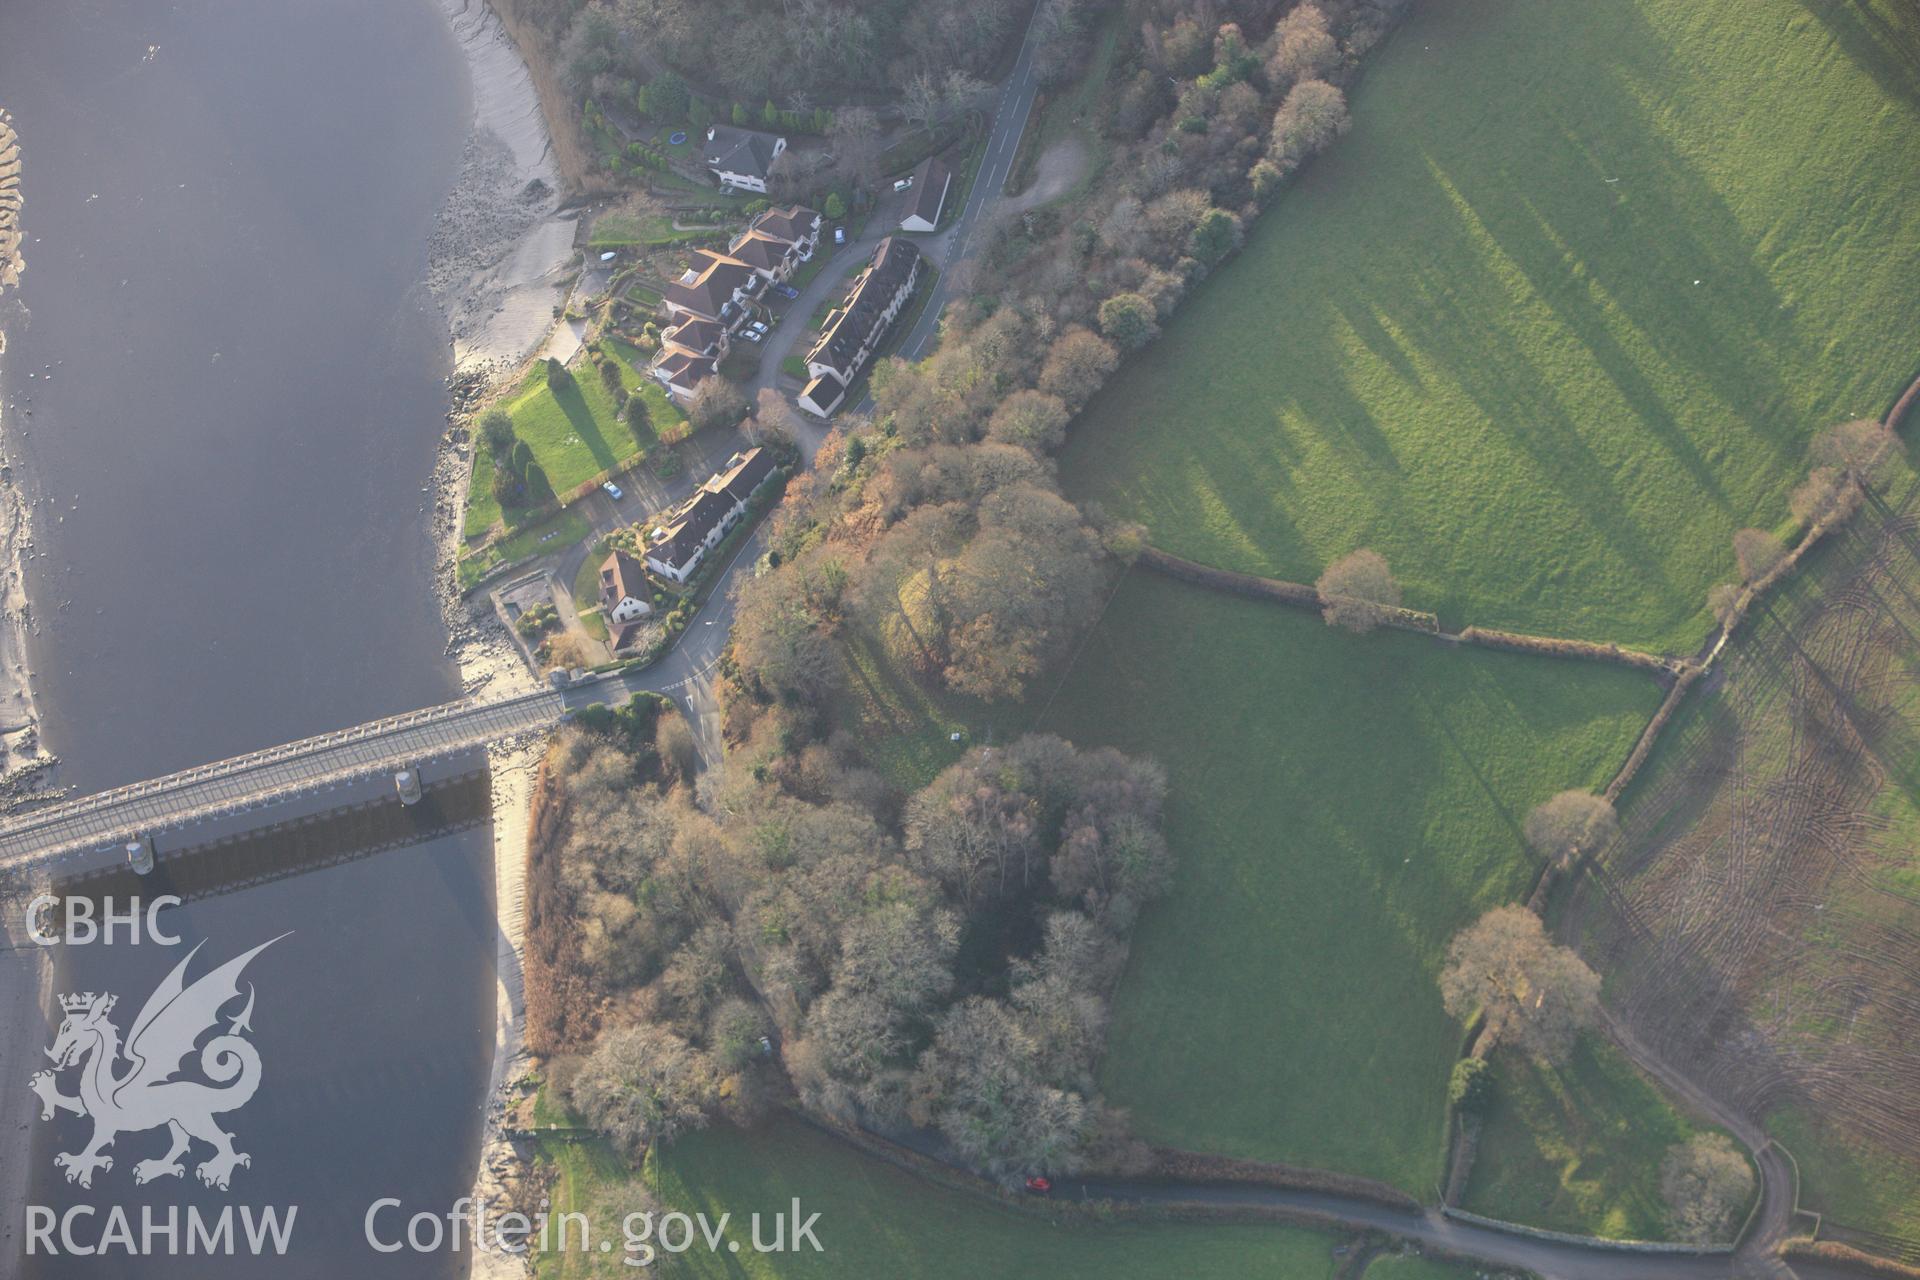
(941, 959)
(943, 963)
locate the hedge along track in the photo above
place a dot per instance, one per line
(1749, 919)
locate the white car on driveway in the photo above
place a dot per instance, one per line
(613, 490)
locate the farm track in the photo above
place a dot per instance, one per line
(1746, 916)
(1693, 929)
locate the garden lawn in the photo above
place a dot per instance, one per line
(561, 530)
(876, 1220)
(1339, 806)
(1556, 317)
(574, 432)
(1576, 1147)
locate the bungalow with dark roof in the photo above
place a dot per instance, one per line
(682, 537)
(625, 599)
(848, 339)
(713, 287)
(931, 182)
(821, 396)
(742, 157)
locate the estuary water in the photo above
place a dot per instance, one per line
(236, 388)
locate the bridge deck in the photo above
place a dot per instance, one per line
(259, 777)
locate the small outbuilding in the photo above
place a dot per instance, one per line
(931, 182)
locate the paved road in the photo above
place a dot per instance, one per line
(686, 673)
(1551, 1260)
(947, 249)
(957, 243)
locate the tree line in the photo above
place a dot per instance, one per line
(1534, 997)
(798, 50)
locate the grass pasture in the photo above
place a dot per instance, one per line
(1852, 1186)
(1471, 336)
(1407, 1266)
(1576, 1147)
(1340, 806)
(876, 1220)
(574, 432)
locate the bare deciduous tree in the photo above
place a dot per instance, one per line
(1724, 601)
(643, 1084)
(1756, 552)
(784, 624)
(1859, 447)
(1077, 364)
(1534, 994)
(1031, 419)
(1313, 115)
(1825, 494)
(774, 420)
(716, 403)
(1570, 824)
(1303, 48)
(981, 1084)
(855, 140)
(1705, 1182)
(1357, 591)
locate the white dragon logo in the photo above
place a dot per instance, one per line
(146, 1095)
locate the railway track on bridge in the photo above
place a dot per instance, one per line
(108, 818)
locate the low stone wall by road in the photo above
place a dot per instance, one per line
(1588, 1242)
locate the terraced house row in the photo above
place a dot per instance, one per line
(851, 334)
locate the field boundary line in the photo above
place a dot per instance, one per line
(1301, 596)
(1588, 1242)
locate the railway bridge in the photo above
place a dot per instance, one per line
(93, 831)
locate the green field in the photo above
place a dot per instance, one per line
(574, 433)
(1576, 1147)
(1848, 1183)
(905, 727)
(1399, 1266)
(1340, 806)
(878, 1221)
(1471, 335)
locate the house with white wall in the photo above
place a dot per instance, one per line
(742, 158)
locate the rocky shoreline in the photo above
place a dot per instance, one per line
(499, 261)
(23, 764)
